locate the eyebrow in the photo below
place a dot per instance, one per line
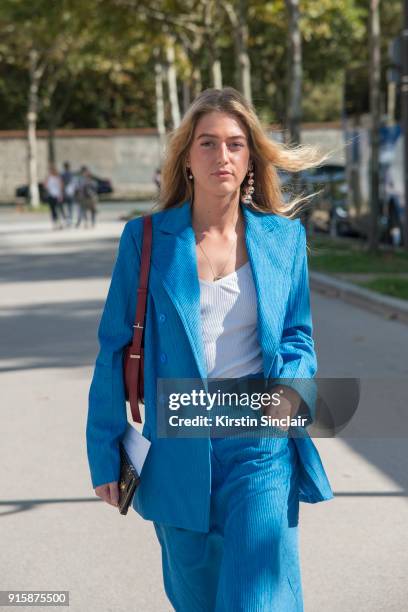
(215, 136)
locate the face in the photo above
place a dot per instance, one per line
(219, 154)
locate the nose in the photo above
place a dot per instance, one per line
(223, 153)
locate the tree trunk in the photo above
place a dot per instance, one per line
(196, 82)
(375, 111)
(213, 54)
(239, 25)
(35, 73)
(52, 158)
(186, 96)
(193, 49)
(244, 61)
(54, 115)
(294, 89)
(172, 82)
(294, 114)
(161, 128)
(216, 74)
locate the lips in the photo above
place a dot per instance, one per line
(222, 173)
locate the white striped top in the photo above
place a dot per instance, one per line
(229, 325)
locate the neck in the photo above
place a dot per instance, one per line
(215, 215)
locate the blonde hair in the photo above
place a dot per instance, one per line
(267, 156)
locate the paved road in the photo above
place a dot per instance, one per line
(55, 534)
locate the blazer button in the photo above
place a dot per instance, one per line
(163, 357)
(162, 318)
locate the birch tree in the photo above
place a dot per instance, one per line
(160, 120)
(36, 70)
(211, 18)
(237, 14)
(36, 37)
(172, 80)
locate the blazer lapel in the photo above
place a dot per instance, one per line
(176, 261)
(267, 246)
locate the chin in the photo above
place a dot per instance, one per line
(225, 190)
(219, 191)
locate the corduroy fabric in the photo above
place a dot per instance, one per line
(176, 476)
(249, 559)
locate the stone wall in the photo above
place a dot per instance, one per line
(127, 157)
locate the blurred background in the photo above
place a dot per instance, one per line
(89, 91)
(100, 84)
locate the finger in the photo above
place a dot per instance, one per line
(104, 494)
(99, 492)
(114, 493)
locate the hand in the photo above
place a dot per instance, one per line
(280, 411)
(109, 492)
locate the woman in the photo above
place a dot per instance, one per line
(55, 191)
(86, 193)
(228, 298)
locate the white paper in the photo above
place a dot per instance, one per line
(136, 446)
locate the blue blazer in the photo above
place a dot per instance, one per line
(176, 477)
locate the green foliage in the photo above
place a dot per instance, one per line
(98, 55)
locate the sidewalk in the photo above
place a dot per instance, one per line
(389, 307)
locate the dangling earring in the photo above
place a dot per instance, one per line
(190, 176)
(249, 190)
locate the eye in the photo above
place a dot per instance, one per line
(205, 144)
(237, 144)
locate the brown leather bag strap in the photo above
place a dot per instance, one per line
(143, 281)
(135, 348)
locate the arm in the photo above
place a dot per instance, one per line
(107, 419)
(297, 347)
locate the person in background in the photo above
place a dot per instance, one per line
(86, 192)
(69, 182)
(157, 179)
(55, 190)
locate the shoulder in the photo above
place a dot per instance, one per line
(289, 232)
(288, 224)
(292, 226)
(135, 226)
(133, 229)
(286, 227)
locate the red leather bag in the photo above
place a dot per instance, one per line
(134, 353)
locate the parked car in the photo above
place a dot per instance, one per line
(329, 212)
(104, 186)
